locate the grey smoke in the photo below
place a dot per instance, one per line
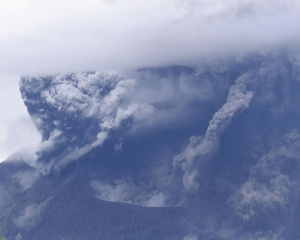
(27, 178)
(238, 100)
(268, 188)
(107, 99)
(28, 218)
(128, 192)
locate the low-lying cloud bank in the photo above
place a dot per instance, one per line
(55, 37)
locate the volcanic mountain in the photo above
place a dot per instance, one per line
(160, 153)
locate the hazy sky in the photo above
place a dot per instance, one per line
(44, 37)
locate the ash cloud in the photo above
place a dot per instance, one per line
(128, 192)
(219, 140)
(238, 100)
(84, 108)
(28, 218)
(219, 137)
(27, 178)
(269, 187)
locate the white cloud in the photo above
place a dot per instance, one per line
(20, 138)
(17, 131)
(30, 153)
(56, 36)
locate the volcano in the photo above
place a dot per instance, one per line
(160, 153)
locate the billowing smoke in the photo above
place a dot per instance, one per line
(220, 139)
(28, 218)
(84, 108)
(128, 192)
(201, 114)
(238, 100)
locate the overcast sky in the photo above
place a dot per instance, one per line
(47, 37)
